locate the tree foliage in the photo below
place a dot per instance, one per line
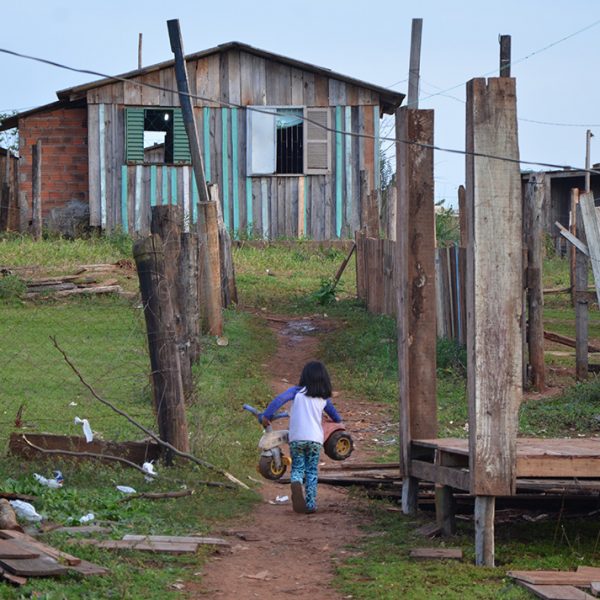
(9, 139)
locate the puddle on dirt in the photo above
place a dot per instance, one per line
(296, 330)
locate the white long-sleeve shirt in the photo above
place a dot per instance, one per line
(305, 418)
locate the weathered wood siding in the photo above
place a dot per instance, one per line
(316, 206)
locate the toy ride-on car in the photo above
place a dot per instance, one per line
(273, 463)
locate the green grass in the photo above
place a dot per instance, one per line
(383, 569)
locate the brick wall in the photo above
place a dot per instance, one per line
(63, 132)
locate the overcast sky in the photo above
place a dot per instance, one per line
(366, 40)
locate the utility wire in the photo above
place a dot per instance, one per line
(520, 60)
(305, 119)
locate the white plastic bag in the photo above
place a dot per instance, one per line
(151, 473)
(87, 430)
(87, 518)
(54, 483)
(126, 489)
(25, 511)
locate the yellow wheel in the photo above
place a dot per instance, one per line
(339, 445)
(268, 469)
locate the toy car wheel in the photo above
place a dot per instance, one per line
(339, 445)
(268, 469)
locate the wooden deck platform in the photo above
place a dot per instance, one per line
(446, 461)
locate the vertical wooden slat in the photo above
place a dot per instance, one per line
(264, 193)
(187, 214)
(348, 161)
(124, 208)
(140, 224)
(235, 171)
(102, 157)
(165, 185)
(581, 304)
(94, 165)
(153, 190)
(224, 187)
(301, 206)
(206, 137)
(494, 285)
(174, 192)
(339, 170)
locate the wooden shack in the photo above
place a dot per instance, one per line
(278, 136)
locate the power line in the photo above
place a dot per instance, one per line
(520, 60)
(305, 119)
(537, 122)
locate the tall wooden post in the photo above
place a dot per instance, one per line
(36, 190)
(140, 41)
(571, 247)
(187, 111)
(462, 216)
(167, 222)
(416, 317)
(162, 343)
(412, 99)
(504, 55)
(581, 304)
(494, 297)
(533, 228)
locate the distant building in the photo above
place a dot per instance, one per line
(557, 194)
(121, 147)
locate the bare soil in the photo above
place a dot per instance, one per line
(275, 552)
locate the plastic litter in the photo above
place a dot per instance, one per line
(87, 518)
(126, 489)
(151, 473)
(87, 430)
(25, 511)
(54, 483)
(282, 499)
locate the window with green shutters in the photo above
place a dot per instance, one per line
(155, 135)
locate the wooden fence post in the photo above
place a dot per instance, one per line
(167, 221)
(494, 298)
(210, 268)
(162, 343)
(36, 190)
(415, 260)
(533, 228)
(581, 303)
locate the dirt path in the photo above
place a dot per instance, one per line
(277, 553)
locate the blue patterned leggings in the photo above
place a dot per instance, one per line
(305, 468)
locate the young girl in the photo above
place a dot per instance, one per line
(310, 398)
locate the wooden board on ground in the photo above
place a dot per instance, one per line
(147, 546)
(28, 542)
(12, 549)
(553, 577)
(88, 568)
(82, 529)
(556, 592)
(42, 566)
(138, 452)
(437, 553)
(12, 578)
(175, 539)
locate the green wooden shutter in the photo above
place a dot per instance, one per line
(181, 146)
(134, 134)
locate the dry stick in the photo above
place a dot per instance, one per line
(159, 495)
(342, 267)
(147, 431)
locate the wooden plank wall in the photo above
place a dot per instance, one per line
(375, 283)
(14, 217)
(320, 207)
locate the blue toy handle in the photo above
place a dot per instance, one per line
(255, 412)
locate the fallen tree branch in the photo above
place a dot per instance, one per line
(161, 495)
(147, 431)
(87, 455)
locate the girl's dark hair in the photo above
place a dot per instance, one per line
(315, 379)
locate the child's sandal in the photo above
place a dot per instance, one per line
(298, 502)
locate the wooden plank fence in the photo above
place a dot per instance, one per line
(375, 283)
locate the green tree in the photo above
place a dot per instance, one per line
(447, 227)
(9, 139)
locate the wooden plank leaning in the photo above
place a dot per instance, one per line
(592, 233)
